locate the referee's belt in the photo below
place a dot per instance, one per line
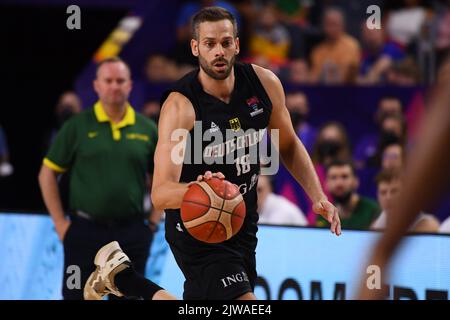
(112, 222)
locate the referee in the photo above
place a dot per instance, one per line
(108, 153)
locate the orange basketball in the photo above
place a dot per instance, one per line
(213, 211)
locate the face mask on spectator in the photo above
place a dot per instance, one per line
(329, 148)
(388, 137)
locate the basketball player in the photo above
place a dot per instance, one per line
(223, 95)
(426, 179)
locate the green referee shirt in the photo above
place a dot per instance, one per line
(108, 161)
(365, 212)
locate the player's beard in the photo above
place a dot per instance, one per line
(209, 68)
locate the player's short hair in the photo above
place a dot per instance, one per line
(112, 60)
(212, 14)
(342, 163)
(387, 176)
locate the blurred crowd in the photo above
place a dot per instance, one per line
(326, 42)
(362, 181)
(310, 42)
(361, 177)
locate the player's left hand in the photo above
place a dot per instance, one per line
(327, 210)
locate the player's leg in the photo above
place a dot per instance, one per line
(250, 265)
(135, 240)
(247, 296)
(115, 274)
(133, 284)
(225, 279)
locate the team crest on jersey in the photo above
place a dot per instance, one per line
(253, 104)
(235, 124)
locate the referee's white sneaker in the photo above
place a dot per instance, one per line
(110, 260)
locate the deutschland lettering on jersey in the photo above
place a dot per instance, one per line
(227, 137)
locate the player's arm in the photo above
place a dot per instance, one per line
(176, 120)
(293, 153)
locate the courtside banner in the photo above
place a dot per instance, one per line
(293, 263)
(308, 263)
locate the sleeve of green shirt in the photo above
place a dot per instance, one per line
(153, 141)
(62, 151)
(376, 211)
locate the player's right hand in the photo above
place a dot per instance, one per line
(327, 210)
(208, 175)
(61, 228)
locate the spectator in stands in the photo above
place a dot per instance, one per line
(445, 226)
(393, 157)
(160, 69)
(441, 25)
(378, 55)
(355, 211)
(271, 39)
(151, 110)
(298, 106)
(275, 209)
(160, 72)
(388, 106)
(367, 147)
(335, 60)
(389, 185)
(403, 73)
(69, 104)
(293, 12)
(296, 72)
(393, 130)
(404, 23)
(332, 143)
(6, 169)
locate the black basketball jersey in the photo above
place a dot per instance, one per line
(227, 137)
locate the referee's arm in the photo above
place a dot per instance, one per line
(48, 182)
